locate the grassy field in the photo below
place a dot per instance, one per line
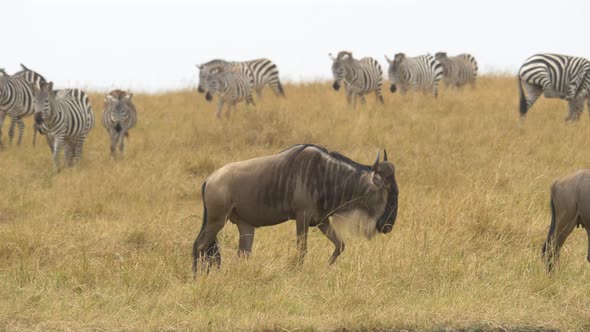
(107, 245)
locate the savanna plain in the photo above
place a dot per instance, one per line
(107, 245)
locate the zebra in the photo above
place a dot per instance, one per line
(66, 117)
(118, 117)
(231, 85)
(419, 73)
(458, 70)
(264, 72)
(360, 77)
(555, 76)
(16, 100)
(32, 77)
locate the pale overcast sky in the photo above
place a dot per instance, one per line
(154, 45)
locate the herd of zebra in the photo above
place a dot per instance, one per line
(65, 117)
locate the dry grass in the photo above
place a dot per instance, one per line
(107, 245)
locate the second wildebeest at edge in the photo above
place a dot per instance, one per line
(305, 182)
(569, 208)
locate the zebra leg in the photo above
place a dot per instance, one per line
(363, 99)
(21, 130)
(50, 142)
(348, 96)
(122, 141)
(259, 93)
(57, 144)
(576, 107)
(2, 116)
(69, 152)
(11, 130)
(78, 145)
(219, 108)
(114, 138)
(378, 96)
(533, 92)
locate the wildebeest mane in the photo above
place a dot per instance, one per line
(335, 155)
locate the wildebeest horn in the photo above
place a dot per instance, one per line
(384, 155)
(376, 163)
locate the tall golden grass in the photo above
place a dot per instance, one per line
(107, 245)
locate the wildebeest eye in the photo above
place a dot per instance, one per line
(377, 180)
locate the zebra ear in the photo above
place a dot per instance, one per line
(110, 97)
(129, 96)
(50, 86)
(23, 67)
(331, 57)
(388, 59)
(3, 72)
(199, 67)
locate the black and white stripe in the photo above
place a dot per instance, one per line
(36, 79)
(118, 117)
(360, 77)
(418, 73)
(555, 76)
(264, 72)
(458, 70)
(66, 117)
(16, 100)
(232, 86)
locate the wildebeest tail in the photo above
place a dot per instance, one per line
(551, 234)
(203, 226)
(523, 108)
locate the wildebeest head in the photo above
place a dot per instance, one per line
(394, 70)
(44, 97)
(383, 177)
(339, 67)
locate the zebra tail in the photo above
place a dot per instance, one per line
(280, 89)
(523, 108)
(202, 231)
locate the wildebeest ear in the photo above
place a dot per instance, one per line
(384, 155)
(376, 163)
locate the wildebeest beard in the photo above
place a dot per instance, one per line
(336, 184)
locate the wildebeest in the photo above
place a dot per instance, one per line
(305, 182)
(569, 208)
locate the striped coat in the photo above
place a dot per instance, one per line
(118, 118)
(417, 73)
(458, 70)
(360, 77)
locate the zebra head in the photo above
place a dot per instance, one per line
(213, 81)
(117, 103)
(440, 55)
(202, 77)
(339, 70)
(44, 96)
(394, 70)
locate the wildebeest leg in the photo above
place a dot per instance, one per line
(206, 246)
(564, 227)
(246, 238)
(302, 222)
(331, 234)
(576, 107)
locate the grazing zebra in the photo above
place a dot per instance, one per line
(35, 78)
(16, 100)
(555, 76)
(232, 86)
(360, 77)
(118, 117)
(458, 70)
(264, 72)
(419, 73)
(66, 117)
